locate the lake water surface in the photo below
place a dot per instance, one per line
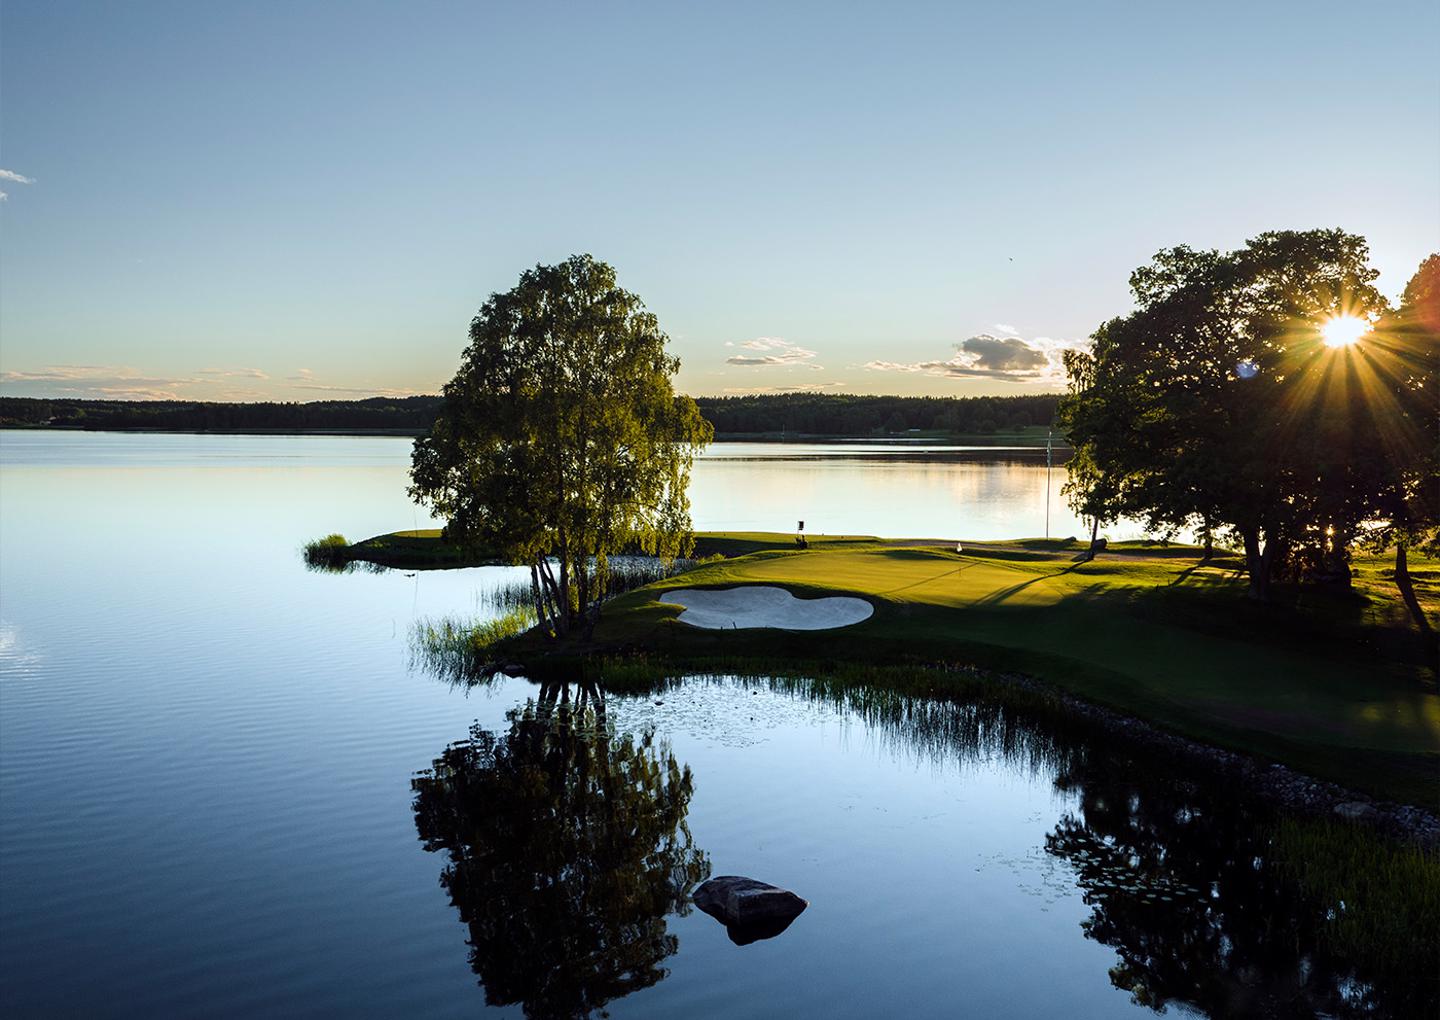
(221, 795)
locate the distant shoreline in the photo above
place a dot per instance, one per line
(1010, 440)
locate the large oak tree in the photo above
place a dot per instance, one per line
(1217, 403)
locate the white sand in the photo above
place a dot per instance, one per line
(765, 606)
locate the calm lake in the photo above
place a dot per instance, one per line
(228, 787)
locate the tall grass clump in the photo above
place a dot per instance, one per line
(1381, 897)
(329, 553)
(626, 573)
(460, 652)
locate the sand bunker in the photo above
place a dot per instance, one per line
(765, 606)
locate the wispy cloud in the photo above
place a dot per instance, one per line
(235, 373)
(121, 382)
(98, 382)
(772, 351)
(1007, 329)
(749, 391)
(14, 178)
(986, 356)
(118, 382)
(369, 391)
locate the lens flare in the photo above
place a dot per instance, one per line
(1344, 330)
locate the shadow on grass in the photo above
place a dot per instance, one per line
(1003, 595)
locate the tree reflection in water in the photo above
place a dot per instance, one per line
(1190, 892)
(567, 848)
(1194, 886)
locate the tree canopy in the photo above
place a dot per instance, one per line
(1218, 402)
(1406, 478)
(561, 436)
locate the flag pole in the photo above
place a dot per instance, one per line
(1048, 436)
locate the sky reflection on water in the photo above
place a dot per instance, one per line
(206, 758)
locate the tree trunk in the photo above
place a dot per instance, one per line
(1257, 565)
(539, 597)
(566, 612)
(546, 575)
(1094, 534)
(1407, 590)
(1207, 533)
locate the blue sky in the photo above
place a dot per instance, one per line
(295, 201)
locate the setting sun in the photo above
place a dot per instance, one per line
(1344, 330)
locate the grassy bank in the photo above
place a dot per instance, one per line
(422, 549)
(1331, 683)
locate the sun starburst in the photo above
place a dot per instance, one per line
(1344, 330)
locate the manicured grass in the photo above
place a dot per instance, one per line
(1330, 683)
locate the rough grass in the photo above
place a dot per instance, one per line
(1383, 897)
(458, 650)
(330, 552)
(1333, 684)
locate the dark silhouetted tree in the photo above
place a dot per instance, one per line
(1407, 420)
(1217, 402)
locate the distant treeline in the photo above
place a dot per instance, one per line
(793, 413)
(849, 415)
(399, 414)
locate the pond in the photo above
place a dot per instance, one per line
(229, 787)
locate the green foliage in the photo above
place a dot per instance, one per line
(460, 652)
(1217, 403)
(561, 436)
(328, 553)
(1408, 475)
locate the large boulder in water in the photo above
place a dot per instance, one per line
(750, 910)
